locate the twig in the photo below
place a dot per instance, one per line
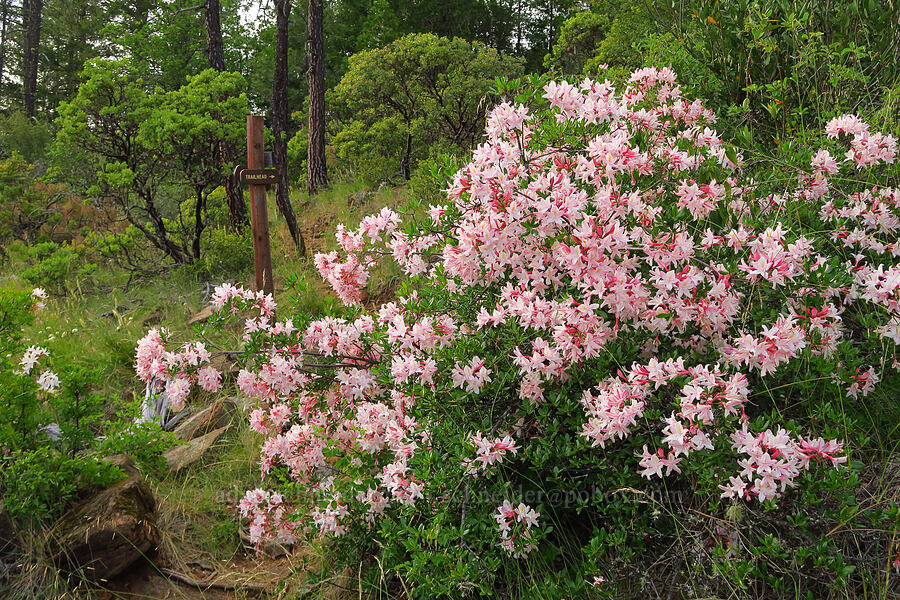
(191, 8)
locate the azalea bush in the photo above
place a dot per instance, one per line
(622, 362)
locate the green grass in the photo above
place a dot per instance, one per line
(198, 505)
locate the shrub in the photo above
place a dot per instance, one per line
(26, 205)
(145, 442)
(395, 102)
(27, 137)
(793, 65)
(50, 422)
(59, 268)
(228, 253)
(619, 358)
(607, 34)
(429, 180)
(37, 483)
(145, 156)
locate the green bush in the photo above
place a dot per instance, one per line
(791, 65)
(395, 103)
(37, 483)
(297, 154)
(428, 183)
(605, 34)
(145, 442)
(227, 254)
(27, 137)
(58, 268)
(26, 205)
(52, 422)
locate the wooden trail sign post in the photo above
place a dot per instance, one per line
(258, 178)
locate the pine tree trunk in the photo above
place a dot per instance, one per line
(280, 117)
(237, 208)
(4, 17)
(317, 175)
(31, 29)
(214, 46)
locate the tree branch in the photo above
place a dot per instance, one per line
(191, 8)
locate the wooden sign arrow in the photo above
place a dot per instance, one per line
(259, 176)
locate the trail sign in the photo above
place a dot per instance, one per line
(259, 176)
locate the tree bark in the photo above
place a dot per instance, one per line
(199, 211)
(214, 47)
(280, 117)
(405, 162)
(234, 194)
(160, 236)
(31, 29)
(317, 175)
(5, 20)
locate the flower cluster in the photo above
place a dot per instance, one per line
(47, 380)
(773, 461)
(39, 295)
(175, 371)
(489, 453)
(268, 516)
(516, 523)
(235, 299)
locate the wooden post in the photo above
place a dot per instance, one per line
(259, 215)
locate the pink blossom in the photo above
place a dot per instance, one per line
(471, 376)
(489, 453)
(209, 379)
(177, 390)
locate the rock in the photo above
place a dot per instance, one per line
(52, 431)
(181, 456)
(218, 414)
(104, 534)
(9, 539)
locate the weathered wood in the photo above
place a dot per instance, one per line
(259, 214)
(104, 534)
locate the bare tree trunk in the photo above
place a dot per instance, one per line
(214, 46)
(234, 194)
(280, 117)
(405, 162)
(5, 19)
(199, 210)
(31, 28)
(317, 175)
